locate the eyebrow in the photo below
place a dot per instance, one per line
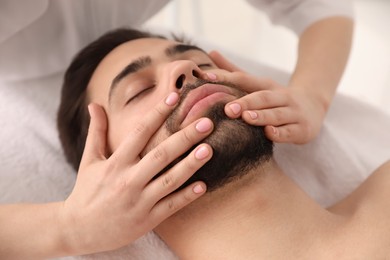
(131, 68)
(144, 61)
(181, 48)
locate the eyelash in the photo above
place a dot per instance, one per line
(138, 94)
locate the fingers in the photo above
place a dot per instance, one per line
(290, 133)
(171, 180)
(245, 81)
(95, 146)
(132, 146)
(256, 101)
(170, 149)
(222, 62)
(237, 76)
(176, 201)
(275, 116)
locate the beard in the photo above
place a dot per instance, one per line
(237, 147)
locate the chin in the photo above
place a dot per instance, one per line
(237, 149)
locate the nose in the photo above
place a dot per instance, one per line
(183, 72)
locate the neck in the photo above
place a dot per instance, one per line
(263, 214)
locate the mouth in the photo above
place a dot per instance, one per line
(201, 99)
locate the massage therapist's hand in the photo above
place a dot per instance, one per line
(115, 200)
(290, 114)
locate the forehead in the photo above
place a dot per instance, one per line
(119, 58)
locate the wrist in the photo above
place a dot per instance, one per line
(67, 235)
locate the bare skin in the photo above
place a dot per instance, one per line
(267, 216)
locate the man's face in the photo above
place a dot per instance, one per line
(138, 74)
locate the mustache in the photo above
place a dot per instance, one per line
(188, 87)
(171, 123)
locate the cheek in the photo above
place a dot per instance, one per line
(161, 135)
(121, 125)
(118, 131)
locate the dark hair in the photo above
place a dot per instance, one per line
(72, 117)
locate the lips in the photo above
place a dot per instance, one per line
(200, 99)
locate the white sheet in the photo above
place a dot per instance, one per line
(354, 141)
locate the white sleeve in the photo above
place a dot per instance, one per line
(299, 14)
(40, 37)
(14, 15)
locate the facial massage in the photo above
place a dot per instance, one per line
(126, 142)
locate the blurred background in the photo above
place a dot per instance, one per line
(251, 35)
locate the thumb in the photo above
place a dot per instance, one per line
(222, 62)
(96, 143)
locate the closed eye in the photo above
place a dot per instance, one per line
(144, 91)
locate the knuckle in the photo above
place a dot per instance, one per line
(221, 75)
(168, 181)
(286, 133)
(140, 129)
(127, 184)
(236, 76)
(187, 136)
(159, 111)
(120, 188)
(278, 115)
(138, 220)
(265, 97)
(172, 205)
(190, 165)
(246, 101)
(132, 203)
(112, 166)
(132, 184)
(187, 198)
(263, 116)
(159, 154)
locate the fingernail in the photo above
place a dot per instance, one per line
(198, 189)
(236, 108)
(252, 114)
(203, 125)
(201, 153)
(172, 99)
(211, 76)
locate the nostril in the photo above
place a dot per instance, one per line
(195, 73)
(180, 81)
